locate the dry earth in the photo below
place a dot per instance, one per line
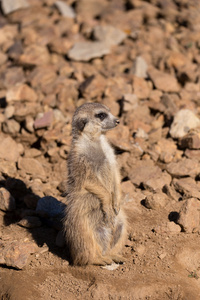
(142, 59)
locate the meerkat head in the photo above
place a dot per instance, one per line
(93, 119)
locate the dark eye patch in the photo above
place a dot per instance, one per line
(101, 115)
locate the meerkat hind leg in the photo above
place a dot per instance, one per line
(102, 261)
(118, 241)
(118, 259)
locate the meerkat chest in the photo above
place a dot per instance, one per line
(107, 169)
(108, 151)
(99, 154)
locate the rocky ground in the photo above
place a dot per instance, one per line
(141, 59)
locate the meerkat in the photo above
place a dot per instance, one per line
(94, 222)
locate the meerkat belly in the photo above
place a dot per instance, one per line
(105, 175)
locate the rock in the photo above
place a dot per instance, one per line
(30, 222)
(193, 154)
(163, 81)
(20, 148)
(52, 135)
(31, 166)
(35, 55)
(130, 102)
(189, 215)
(29, 123)
(8, 149)
(117, 87)
(128, 190)
(7, 202)
(90, 9)
(65, 9)
(119, 138)
(84, 51)
(155, 135)
(142, 171)
(2, 118)
(13, 76)
(31, 200)
(51, 206)
(16, 253)
(68, 95)
(167, 227)
(64, 150)
(187, 187)
(60, 239)
(11, 127)
(15, 50)
(45, 121)
(166, 149)
(191, 141)
(140, 87)
(140, 133)
(8, 6)
(32, 153)
(140, 249)
(16, 187)
(59, 117)
(21, 92)
(37, 187)
(183, 121)
(130, 21)
(157, 182)
(155, 201)
(177, 60)
(140, 67)
(155, 95)
(3, 58)
(8, 168)
(42, 76)
(184, 167)
(93, 86)
(170, 105)
(22, 110)
(9, 111)
(49, 100)
(43, 249)
(162, 255)
(171, 192)
(61, 46)
(8, 33)
(109, 34)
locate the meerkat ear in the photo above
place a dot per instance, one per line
(81, 123)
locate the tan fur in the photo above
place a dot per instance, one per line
(94, 223)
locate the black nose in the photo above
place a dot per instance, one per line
(117, 121)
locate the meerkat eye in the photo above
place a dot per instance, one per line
(101, 115)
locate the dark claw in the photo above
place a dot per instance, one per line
(116, 210)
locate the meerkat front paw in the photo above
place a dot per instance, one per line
(102, 261)
(118, 259)
(109, 218)
(116, 209)
(115, 204)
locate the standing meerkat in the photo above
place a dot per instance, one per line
(94, 222)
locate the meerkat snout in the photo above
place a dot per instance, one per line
(117, 121)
